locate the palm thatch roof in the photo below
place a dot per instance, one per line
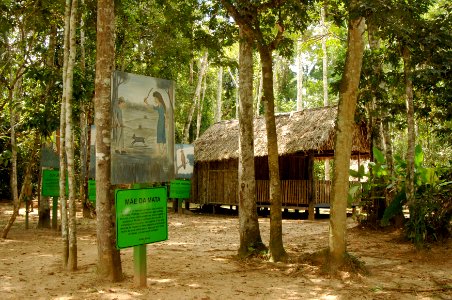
(306, 131)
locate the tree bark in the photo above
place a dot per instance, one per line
(13, 183)
(63, 154)
(410, 154)
(343, 143)
(237, 87)
(299, 75)
(277, 252)
(25, 185)
(248, 22)
(325, 75)
(219, 103)
(259, 95)
(375, 122)
(69, 137)
(200, 107)
(84, 136)
(196, 96)
(250, 238)
(43, 202)
(109, 261)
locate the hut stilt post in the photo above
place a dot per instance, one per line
(311, 187)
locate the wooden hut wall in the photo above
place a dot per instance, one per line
(215, 182)
(291, 167)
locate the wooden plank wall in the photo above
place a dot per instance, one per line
(222, 187)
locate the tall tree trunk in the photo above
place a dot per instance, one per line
(259, 94)
(326, 101)
(13, 183)
(386, 128)
(196, 96)
(299, 75)
(109, 261)
(277, 62)
(277, 252)
(43, 202)
(219, 102)
(63, 154)
(84, 116)
(200, 107)
(250, 238)
(410, 154)
(375, 110)
(237, 87)
(343, 144)
(25, 185)
(72, 224)
(375, 117)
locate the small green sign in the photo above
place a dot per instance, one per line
(180, 189)
(51, 183)
(92, 190)
(141, 216)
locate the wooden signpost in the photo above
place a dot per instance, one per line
(179, 190)
(141, 218)
(92, 191)
(51, 188)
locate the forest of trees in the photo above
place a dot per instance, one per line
(388, 63)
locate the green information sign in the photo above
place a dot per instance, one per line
(180, 189)
(141, 216)
(92, 190)
(51, 183)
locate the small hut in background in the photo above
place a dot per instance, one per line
(303, 136)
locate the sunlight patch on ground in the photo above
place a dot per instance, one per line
(194, 285)
(177, 224)
(316, 280)
(220, 259)
(85, 238)
(328, 297)
(64, 298)
(164, 280)
(169, 243)
(118, 295)
(5, 284)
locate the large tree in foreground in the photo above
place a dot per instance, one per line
(344, 132)
(109, 261)
(250, 237)
(265, 23)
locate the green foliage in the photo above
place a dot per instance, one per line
(394, 208)
(430, 214)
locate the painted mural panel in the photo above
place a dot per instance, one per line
(185, 160)
(142, 148)
(50, 157)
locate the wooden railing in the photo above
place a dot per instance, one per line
(295, 192)
(222, 189)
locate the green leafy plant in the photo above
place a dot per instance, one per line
(430, 214)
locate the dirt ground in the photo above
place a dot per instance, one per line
(198, 262)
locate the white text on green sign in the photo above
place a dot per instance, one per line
(141, 216)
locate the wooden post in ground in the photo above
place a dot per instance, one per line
(55, 213)
(27, 206)
(311, 188)
(179, 206)
(140, 263)
(175, 205)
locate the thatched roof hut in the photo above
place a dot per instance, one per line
(307, 131)
(303, 137)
